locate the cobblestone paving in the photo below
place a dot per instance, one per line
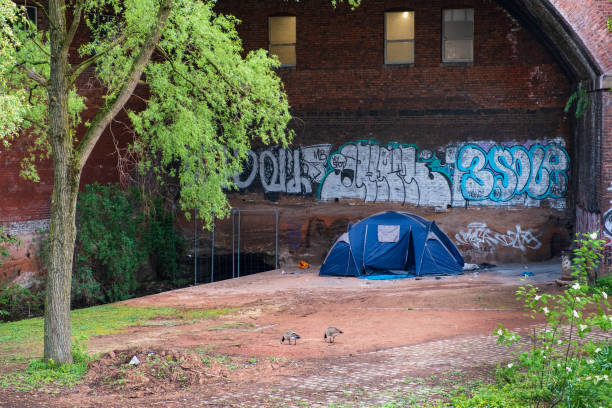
(380, 377)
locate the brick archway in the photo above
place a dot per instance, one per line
(576, 32)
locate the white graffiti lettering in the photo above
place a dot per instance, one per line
(375, 173)
(479, 236)
(291, 171)
(586, 221)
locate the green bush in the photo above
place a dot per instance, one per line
(559, 367)
(115, 238)
(17, 303)
(5, 241)
(488, 396)
(108, 249)
(604, 283)
(163, 244)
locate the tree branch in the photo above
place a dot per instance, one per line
(40, 47)
(76, 19)
(87, 63)
(110, 109)
(35, 76)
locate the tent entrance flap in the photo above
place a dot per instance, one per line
(385, 247)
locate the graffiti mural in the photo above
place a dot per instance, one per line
(607, 219)
(291, 171)
(479, 236)
(505, 172)
(374, 173)
(586, 221)
(482, 173)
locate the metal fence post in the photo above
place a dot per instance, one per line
(195, 247)
(233, 240)
(212, 250)
(239, 243)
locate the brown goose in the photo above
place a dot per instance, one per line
(290, 335)
(331, 332)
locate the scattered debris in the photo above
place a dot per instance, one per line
(474, 267)
(564, 282)
(134, 361)
(486, 265)
(527, 274)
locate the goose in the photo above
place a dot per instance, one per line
(331, 332)
(290, 335)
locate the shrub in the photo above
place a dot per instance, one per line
(5, 241)
(559, 367)
(115, 238)
(108, 250)
(163, 244)
(17, 303)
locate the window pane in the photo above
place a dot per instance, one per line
(399, 25)
(388, 233)
(448, 15)
(285, 53)
(458, 35)
(458, 30)
(282, 30)
(400, 52)
(458, 50)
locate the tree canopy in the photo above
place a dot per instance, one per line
(205, 101)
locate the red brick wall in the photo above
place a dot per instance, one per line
(588, 19)
(22, 201)
(342, 89)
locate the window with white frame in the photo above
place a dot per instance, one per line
(458, 35)
(399, 37)
(281, 31)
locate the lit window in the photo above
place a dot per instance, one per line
(399, 37)
(282, 39)
(458, 35)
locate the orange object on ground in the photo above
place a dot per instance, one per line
(303, 264)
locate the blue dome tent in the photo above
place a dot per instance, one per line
(392, 243)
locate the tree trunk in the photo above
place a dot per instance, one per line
(62, 230)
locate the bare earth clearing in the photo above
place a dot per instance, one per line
(403, 340)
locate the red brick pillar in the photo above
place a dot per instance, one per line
(605, 193)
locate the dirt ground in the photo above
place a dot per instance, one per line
(242, 351)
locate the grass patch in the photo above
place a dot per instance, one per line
(22, 340)
(39, 373)
(27, 335)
